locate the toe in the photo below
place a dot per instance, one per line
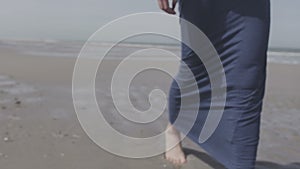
(177, 162)
(182, 160)
(173, 161)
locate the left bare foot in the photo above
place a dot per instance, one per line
(174, 155)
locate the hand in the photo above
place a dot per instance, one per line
(164, 5)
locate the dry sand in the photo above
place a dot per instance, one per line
(39, 128)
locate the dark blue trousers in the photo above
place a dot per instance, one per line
(239, 31)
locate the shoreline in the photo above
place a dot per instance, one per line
(39, 127)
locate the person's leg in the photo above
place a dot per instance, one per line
(174, 154)
(239, 31)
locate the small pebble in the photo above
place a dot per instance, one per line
(62, 154)
(7, 139)
(18, 102)
(75, 136)
(3, 107)
(165, 165)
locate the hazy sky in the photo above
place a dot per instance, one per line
(78, 19)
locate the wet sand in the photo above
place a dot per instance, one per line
(39, 127)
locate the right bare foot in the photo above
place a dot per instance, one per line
(175, 155)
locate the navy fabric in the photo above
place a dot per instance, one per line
(239, 30)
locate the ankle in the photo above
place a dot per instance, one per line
(172, 130)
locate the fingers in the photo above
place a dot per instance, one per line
(164, 5)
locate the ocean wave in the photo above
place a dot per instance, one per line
(57, 48)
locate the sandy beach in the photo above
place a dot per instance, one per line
(39, 128)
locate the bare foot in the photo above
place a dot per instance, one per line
(175, 155)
